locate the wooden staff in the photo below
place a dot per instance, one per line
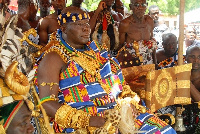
(181, 32)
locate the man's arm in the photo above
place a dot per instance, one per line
(123, 25)
(48, 72)
(43, 31)
(195, 94)
(94, 15)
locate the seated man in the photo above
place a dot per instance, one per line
(88, 84)
(193, 56)
(168, 55)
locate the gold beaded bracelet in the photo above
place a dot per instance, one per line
(50, 84)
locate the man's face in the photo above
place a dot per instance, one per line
(33, 7)
(45, 5)
(109, 3)
(154, 13)
(119, 7)
(78, 32)
(58, 4)
(194, 58)
(190, 34)
(138, 7)
(170, 46)
(21, 122)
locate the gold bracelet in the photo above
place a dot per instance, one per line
(50, 84)
(62, 114)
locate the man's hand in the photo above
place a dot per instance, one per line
(102, 5)
(96, 121)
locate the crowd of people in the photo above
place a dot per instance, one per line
(73, 60)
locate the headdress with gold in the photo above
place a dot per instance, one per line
(71, 17)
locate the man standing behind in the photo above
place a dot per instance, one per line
(136, 33)
(49, 24)
(44, 6)
(159, 25)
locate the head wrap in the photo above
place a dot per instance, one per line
(8, 112)
(71, 17)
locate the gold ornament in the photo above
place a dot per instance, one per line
(16, 80)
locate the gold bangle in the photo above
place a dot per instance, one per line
(50, 84)
(62, 114)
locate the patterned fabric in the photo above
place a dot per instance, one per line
(169, 62)
(12, 50)
(11, 109)
(151, 124)
(145, 49)
(81, 90)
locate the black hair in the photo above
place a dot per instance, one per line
(192, 47)
(166, 37)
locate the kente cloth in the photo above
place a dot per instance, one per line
(81, 90)
(15, 50)
(8, 112)
(146, 49)
(151, 124)
(169, 62)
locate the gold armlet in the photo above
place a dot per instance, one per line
(51, 84)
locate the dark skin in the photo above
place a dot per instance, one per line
(169, 48)
(50, 24)
(193, 56)
(189, 36)
(119, 7)
(136, 27)
(77, 3)
(44, 6)
(104, 4)
(27, 18)
(20, 124)
(76, 34)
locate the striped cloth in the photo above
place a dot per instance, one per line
(151, 124)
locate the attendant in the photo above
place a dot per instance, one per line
(45, 7)
(49, 24)
(193, 56)
(119, 7)
(104, 25)
(190, 38)
(12, 48)
(168, 55)
(159, 25)
(136, 36)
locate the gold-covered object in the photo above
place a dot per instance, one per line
(165, 87)
(16, 80)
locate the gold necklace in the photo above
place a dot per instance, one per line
(89, 61)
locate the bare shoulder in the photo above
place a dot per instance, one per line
(148, 19)
(159, 52)
(124, 24)
(51, 61)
